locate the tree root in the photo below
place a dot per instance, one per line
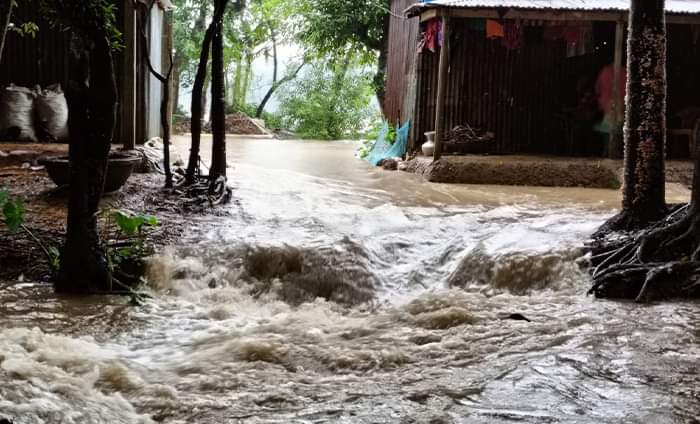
(202, 193)
(659, 262)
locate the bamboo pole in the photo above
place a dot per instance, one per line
(442, 88)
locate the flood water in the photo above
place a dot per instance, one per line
(337, 293)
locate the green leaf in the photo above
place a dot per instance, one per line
(13, 212)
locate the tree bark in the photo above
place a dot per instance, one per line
(5, 16)
(165, 106)
(197, 96)
(92, 98)
(645, 126)
(382, 61)
(247, 79)
(218, 99)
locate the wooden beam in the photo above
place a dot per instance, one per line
(443, 74)
(546, 15)
(618, 101)
(128, 89)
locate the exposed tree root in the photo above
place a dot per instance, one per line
(660, 262)
(203, 193)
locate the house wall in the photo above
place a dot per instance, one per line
(521, 95)
(44, 61)
(30, 61)
(400, 80)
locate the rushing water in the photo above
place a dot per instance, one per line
(336, 293)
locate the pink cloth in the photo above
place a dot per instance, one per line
(604, 87)
(433, 34)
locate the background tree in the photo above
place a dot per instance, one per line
(197, 92)
(218, 97)
(92, 100)
(164, 79)
(329, 101)
(333, 26)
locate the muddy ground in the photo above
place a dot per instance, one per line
(20, 257)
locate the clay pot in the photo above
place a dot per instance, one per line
(429, 146)
(119, 169)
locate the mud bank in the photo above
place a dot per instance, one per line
(535, 171)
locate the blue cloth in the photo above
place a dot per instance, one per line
(383, 150)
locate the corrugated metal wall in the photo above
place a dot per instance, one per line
(403, 39)
(30, 61)
(517, 94)
(521, 95)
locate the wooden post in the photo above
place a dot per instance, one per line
(128, 94)
(442, 87)
(618, 101)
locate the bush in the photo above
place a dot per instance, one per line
(330, 101)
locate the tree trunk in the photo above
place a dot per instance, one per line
(273, 87)
(5, 16)
(380, 77)
(218, 100)
(177, 77)
(247, 79)
(165, 103)
(645, 126)
(93, 105)
(237, 80)
(197, 97)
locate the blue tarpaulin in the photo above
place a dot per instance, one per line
(382, 149)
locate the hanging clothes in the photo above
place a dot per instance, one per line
(513, 35)
(432, 35)
(494, 29)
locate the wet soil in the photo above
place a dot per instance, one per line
(45, 204)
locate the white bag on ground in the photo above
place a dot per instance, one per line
(52, 114)
(17, 114)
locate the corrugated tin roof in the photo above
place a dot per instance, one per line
(672, 6)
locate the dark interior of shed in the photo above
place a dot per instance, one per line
(543, 90)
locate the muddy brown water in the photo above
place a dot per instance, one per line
(415, 283)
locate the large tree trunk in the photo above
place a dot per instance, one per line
(380, 77)
(93, 105)
(197, 96)
(644, 192)
(218, 99)
(5, 16)
(645, 127)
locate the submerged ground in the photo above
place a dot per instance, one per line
(331, 292)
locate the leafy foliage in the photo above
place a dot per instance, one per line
(13, 215)
(86, 18)
(333, 26)
(330, 101)
(12, 211)
(131, 223)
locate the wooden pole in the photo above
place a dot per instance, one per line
(618, 101)
(442, 88)
(128, 95)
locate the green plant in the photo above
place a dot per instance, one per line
(126, 247)
(330, 101)
(13, 216)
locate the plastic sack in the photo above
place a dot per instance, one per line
(17, 114)
(52, 115)
(383, 150)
